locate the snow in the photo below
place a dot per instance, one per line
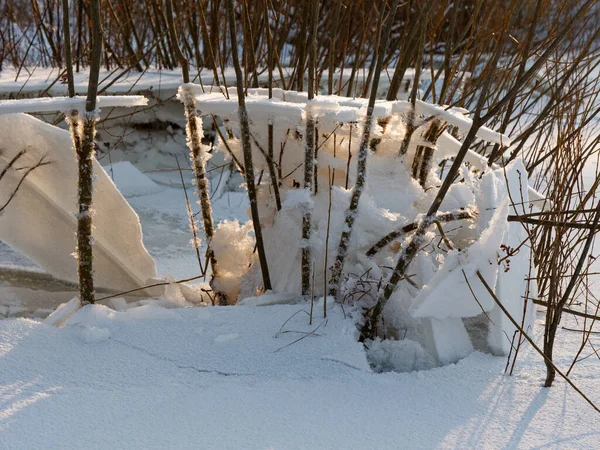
(403, 355)
(63, 312)
(38, 105)
(512, 282)
(450, 340)
(298, 198)
(448, 289)
(448, 295)
(449, 146)
(180, 379)
(290, 105)
(458, 119)
(131, 182)
(161, 83)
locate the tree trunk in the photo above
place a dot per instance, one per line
(194, 140)
(363, 151)
(247, 149)
(85, 157)
(309, 150)
(84, 148)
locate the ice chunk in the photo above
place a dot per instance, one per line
(449, 340)
(40, 222)
(449, 294)
(63, 312)
(512, 283)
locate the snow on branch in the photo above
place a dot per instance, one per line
(50, 104)
(291, 105)
(453, 116)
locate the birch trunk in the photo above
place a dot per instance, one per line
(194, 141)
(193, 130)
(309, 151)
(84, 148)
(363, 151)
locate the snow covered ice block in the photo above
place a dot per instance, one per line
(447, 340)
(451, 292)
(512, 283)
(40, 221)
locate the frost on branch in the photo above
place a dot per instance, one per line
(233, 250)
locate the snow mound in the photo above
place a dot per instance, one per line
(130, 181)
(398, 356)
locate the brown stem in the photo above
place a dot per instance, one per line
(247, 148)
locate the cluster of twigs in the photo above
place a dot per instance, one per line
(26, 170)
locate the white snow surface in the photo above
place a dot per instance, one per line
(232, 378)
(163, 84)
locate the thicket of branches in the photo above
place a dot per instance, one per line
(135, 34)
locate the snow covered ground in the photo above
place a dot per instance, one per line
(235, 378)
